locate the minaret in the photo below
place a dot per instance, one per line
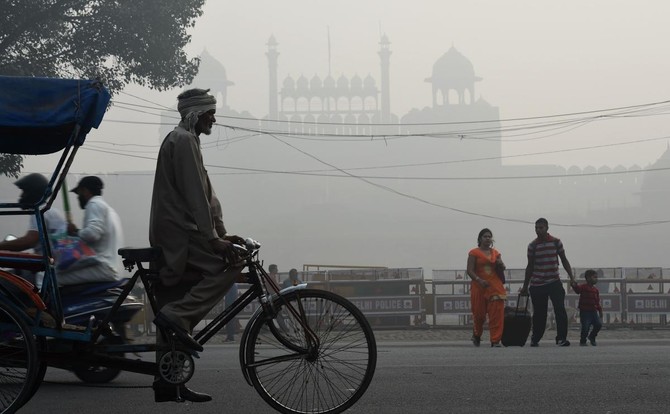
(385, 58)
(272, 55)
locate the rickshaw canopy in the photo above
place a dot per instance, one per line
(45, 115)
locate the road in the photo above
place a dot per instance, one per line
(617, 377)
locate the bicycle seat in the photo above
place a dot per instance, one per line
(142, 254)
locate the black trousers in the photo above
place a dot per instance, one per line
(540, 296)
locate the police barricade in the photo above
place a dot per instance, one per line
(389, 298)
(628, 296)
(646, 301)
(386, 303)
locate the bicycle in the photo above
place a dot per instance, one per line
(303, 350)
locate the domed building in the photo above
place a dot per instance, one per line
(455, 103)
(212, 75)
(326, 101)
(453, 73)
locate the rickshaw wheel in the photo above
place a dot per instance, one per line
(41, 369)
(19, 360)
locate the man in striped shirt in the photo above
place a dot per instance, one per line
(545, 283)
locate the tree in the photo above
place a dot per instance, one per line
(117, 41)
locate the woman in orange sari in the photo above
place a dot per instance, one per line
(487, 293)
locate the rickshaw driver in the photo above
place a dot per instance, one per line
(32, 188)
(186, 221)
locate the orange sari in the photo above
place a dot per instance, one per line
(487, 301)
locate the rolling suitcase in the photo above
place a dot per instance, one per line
(516, 327)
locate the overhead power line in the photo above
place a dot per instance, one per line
(396, 166)
(604, 112)
(634, 110)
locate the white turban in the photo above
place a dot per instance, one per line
(192, 103)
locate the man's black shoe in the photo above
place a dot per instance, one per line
(168, 392)
(183, 336)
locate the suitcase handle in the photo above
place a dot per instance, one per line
(518, 301)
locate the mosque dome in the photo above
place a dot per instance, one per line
(369, 83)
(453, 71)
(574, 170)
(211, 72)
(302, 84)
(329, 82)
(212, 75)
(453, 65)
(289, 83)
(315, 83)
(356, 84)
(590, 169)
(342, 83)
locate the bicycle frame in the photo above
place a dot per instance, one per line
(261, 284)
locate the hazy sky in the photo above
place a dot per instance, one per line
(536, 58)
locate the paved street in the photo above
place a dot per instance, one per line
(424, 372)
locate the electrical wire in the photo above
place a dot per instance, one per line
(633, 110)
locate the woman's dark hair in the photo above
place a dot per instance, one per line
(481, 233)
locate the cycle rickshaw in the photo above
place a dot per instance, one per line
(303, 350)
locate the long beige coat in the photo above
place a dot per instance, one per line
(185, 213)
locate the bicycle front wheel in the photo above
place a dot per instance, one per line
(297, 375)
(19, 362)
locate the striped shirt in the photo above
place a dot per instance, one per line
(544, 256)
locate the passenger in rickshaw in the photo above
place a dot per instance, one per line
(101, 230)
(33, 187)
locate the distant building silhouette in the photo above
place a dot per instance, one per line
(359, 106)
(326, 105)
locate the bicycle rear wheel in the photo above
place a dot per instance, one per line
(19, 362)
(294, 377)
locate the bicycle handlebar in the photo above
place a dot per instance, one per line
(250, 246)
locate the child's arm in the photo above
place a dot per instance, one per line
(575, 287)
